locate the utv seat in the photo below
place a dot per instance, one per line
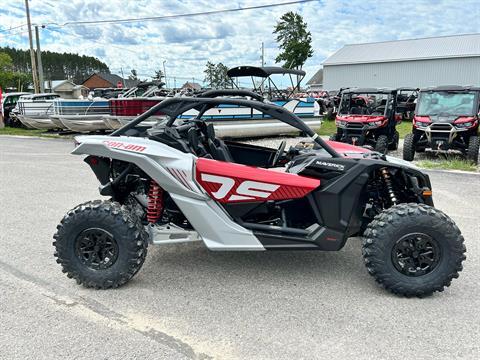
(217, 147)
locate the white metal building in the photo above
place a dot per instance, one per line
(446, 60)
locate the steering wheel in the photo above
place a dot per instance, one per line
(279, 153)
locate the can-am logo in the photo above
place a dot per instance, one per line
(247, 190)
(124, 146)
(330, 165)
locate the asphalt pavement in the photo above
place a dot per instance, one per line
(190, 303)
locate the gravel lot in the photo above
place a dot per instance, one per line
(190, 303)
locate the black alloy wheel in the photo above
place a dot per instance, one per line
(96, 248)
(416, 254)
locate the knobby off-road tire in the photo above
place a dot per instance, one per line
(100, 244)
(473, 149)
(425, 240)
(381, 145)
(408, 148)
(394, 144)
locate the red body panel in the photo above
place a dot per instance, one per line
(425, 119)
(464, 119)
(228, 182)
(343, 148)
(361, 118)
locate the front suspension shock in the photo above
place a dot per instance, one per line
(388, 184)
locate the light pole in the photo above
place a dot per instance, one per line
(32, 53)
(39, 62)
(165, 73)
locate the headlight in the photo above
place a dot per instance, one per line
(464, 125)
(341, 123)
(374, 124)
(421, 124)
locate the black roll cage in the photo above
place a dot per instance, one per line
(392, 94)
(173, 107)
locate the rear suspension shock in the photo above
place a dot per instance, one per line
(155, 202)
(388, 184)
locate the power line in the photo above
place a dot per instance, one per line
(90, 40)
(166, 17)
(12, 28)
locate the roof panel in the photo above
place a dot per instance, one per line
(405, 50)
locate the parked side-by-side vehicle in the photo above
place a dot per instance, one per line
(368, 117)
(446, 118)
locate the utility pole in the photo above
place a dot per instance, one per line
(262, 57)
(32, 53)
(263, 54)
(165, 73)
(174, 82)
(123, 77)
(39, 62)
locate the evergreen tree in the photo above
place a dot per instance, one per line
(216, 76)
(57, 66)
(295, 41)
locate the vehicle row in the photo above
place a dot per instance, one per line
(444, 118)
(49, 111)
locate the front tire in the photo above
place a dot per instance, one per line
(394, 144)
(413, 249)
(100, 244)
(408, 148)
(473, 149)
(381, 145)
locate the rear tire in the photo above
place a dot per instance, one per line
(473, 149)
(381, 145)
(330, 114)
(100, 244)
(408, 148)
(394, 144)
(413, 249)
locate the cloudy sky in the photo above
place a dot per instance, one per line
(234, 38)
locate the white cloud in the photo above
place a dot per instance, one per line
(233, 38)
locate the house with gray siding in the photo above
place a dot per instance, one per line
(444, 60)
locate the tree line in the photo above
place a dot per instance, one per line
(57, 66)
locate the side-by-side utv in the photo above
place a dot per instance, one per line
(446, 118)
(176, 181)
(368, 117)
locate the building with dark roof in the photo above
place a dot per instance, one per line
(108, 80)
(406, 63)
(192, 85)
(316, 82)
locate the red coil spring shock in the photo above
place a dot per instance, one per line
(155, 202)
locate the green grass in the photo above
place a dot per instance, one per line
(27, 132)
(448, 164)
(328, 128)
(404, 128)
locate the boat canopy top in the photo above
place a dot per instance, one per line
(264, 72)
(267, 86)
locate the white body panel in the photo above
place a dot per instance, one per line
(174, 172)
